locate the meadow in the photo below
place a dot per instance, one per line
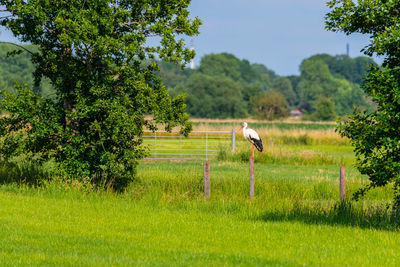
(162, 218)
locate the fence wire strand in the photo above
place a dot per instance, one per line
(200, 145)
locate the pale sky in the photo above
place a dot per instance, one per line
(276, 33)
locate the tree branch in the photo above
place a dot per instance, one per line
(20, 46)
(129, 23)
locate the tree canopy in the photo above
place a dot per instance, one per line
(375, 135)
(93, 53)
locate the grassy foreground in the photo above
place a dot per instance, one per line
(162, 219)
(90, 230)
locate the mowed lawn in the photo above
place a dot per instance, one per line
(163, 219)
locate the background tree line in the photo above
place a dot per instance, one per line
(223, 86)
(19, 68)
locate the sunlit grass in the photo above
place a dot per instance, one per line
(40, 230)
(163, 219)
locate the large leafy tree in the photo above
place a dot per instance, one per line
(375, 135)
(93, 53)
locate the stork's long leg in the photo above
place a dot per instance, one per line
(252, 152)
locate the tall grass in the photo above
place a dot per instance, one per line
(284, 193)
(54, 226)
(303, 193)
(162, 218)
(23, 172)
(294, 147)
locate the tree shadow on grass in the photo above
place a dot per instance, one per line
(344, 213)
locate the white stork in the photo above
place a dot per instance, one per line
(253, 138)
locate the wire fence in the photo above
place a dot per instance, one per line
(199, 145)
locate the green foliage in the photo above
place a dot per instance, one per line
(317, 81)
(263, 70)
(224, 78)
(240, 71)
(23, 172)
(270, 105)
(228, 65)
(342, 66)
(325, 109)
(284, 86)
(249, 91)
(214, 97)
(31, 127)
(374, 135)
(343, 72)
(93, 52)
(173, 75)
(268, 125)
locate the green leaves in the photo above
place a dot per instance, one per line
(322, 76)
(375, 135)
(93, 53)
(214, 96)
(379, 19)
(269, 105)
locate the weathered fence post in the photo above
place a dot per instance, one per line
(206, 179)
(342, 182)
(251, 176)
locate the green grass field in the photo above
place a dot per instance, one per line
(162, 218)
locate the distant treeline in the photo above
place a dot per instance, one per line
(224, 86)
(19, 68)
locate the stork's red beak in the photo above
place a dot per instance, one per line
(240, 128)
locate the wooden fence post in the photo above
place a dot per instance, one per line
(207, 179)
(342, 183)
(251, 176)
